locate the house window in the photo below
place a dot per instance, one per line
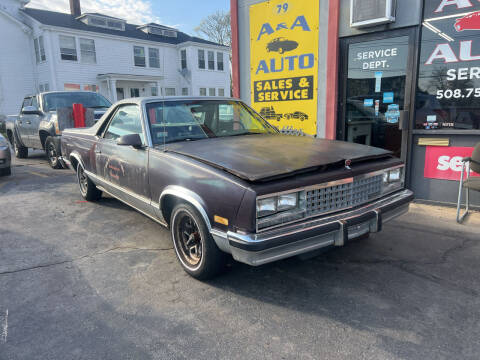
(87, 51)
(139, 56)
(183, 57)
(43, 88)
(211, 60)
(221, 92)
(220, 61)
(134, 92)
(68, 48)
(154, 91)
(153, 58)
(201, 59)
(39, 49)
(184, 91)
(169, 91)
(203, 91)
(211, 92)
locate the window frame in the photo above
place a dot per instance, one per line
(171, 88)
(212, 61)
(200, 91)
(222, 67)
(183, 61)
(82, 58)
(60, 47)
(210, 92)
(218, 92)
(103, 132)
(185, 93)
(201, 59)
(135, 56)
(150, 50)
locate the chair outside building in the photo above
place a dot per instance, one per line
(471, 163)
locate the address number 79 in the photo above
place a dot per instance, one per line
(282, 8)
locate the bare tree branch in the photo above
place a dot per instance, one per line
(216, 28)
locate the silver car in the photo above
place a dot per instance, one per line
(5, 156)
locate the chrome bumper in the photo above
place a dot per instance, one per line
(264, 247)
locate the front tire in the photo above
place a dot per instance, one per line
(21, 152)
(195, 248)
(52, 154)
(88, 190)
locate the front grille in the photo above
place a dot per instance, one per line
(343, 196)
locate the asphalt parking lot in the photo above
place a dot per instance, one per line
(83, 280)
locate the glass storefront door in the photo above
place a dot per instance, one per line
(376, 92)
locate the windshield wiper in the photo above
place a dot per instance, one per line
(246, 133)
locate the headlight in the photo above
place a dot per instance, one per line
(266, 206)
(3, 142)
(393, 180)
(288, 201)
(281, 209)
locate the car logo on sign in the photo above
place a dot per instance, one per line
(468, 22)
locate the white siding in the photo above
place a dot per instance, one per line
(16, 66)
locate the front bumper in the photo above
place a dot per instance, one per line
(296, 239)
(5, 157)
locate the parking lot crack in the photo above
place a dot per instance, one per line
(98, 253)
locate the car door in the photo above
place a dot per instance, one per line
(22, 123)
(124, 169)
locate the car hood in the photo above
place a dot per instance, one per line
(261, 157)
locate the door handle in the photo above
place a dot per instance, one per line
(28, 122)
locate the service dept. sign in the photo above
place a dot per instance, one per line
(284, 48)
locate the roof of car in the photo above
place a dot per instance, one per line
(141, 100)
(64, 20)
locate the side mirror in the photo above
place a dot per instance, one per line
(130, 140)
(31, 110)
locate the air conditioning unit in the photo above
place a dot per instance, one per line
(371, 12)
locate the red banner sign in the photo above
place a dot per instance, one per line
(445, 162)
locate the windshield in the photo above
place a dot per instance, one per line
(55, 101)
(174, 121)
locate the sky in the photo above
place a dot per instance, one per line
(184, 15)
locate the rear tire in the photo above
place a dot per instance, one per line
(52, 153)
(21, 152)
(195, 248)
(88, 190)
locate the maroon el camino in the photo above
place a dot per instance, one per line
(224, 181)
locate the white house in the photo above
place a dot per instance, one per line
(45, 50)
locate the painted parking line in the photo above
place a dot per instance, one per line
(38, 174)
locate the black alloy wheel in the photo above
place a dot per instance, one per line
(195, 248)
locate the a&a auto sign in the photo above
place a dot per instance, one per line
(283, 60)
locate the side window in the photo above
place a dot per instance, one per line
(35, 102)
(26, 102)
(125, 121)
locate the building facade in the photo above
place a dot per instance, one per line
(400, 75)
(48, 51)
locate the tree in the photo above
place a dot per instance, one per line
(216, 28)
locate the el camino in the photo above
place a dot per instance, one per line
(224, 181)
